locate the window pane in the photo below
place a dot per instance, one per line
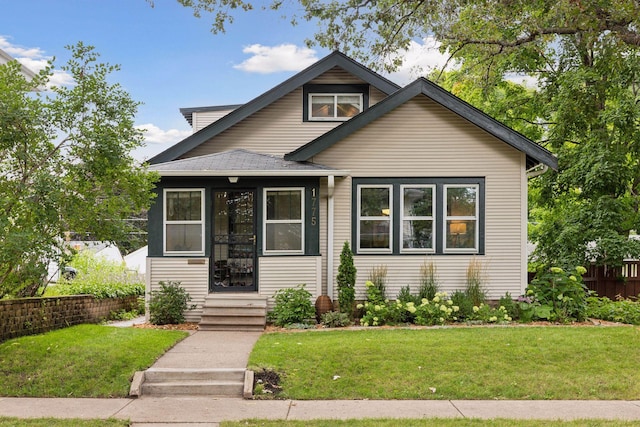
(284, 205)
(348, 105)
(461, 201)
(184, 237)
(461, 234)
(417, 234)
(284, 237)
(418, 201)
(183, 205)
(374, 202)
(374, 234)
(322, 106)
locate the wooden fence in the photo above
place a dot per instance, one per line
(612, 282)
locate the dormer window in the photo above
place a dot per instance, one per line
(334, 106)
(334, 102)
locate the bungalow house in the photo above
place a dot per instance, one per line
(262, 196)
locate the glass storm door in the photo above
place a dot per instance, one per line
(234, 242)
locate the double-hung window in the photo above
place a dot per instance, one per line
(375, 218)
(461, 218)
(418, 213)
(284, 220)
(184, 221)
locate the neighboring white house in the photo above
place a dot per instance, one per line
(6, 58)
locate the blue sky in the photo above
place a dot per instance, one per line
(169, 58)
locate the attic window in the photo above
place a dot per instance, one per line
(334, 106)
(334, 102)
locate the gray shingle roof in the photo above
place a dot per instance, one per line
(242, 163)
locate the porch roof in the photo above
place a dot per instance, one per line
(242, 163)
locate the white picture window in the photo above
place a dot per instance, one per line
(375, 218)
(184, 221)
(417, 218)
(461, 218)
(327, 106)
(283, 220)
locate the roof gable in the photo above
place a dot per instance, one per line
(335, 59)
(535, 153)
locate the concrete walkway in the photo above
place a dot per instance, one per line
(202, 411)
(231, 350)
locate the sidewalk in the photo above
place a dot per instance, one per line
(203, 411)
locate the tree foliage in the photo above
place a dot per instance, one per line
(583, 55)
(346, 280)
(65, 165)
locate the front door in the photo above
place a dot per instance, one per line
(234, 241)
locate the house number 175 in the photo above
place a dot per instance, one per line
(314, 207)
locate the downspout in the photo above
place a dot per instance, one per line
(330, 188)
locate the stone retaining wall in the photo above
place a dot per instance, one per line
(28, 316)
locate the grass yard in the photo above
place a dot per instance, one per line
(455, 363)
(80, 361)
(52, 422)
(440, 422)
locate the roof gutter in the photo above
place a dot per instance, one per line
(262, 173)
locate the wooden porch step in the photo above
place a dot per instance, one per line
(234, 311)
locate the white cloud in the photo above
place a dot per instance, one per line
(35, 60)
(419, 60)
(154, 135)
(272, 59)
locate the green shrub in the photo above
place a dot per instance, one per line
(429, 285)
(335, 319)
(558, 295)
(168, 304)
(405, 296)
(486, 314)
(99, 277)
(293, 305)
(464, 304)
(436, 311)
(377, 284)
(476, 276)
(510, 305)
(346, 280)
(623, 311)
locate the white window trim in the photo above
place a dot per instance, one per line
(265, 221)
(375, 218)
(165, 222)
(431, 218)
(447, 218)
(335, 106)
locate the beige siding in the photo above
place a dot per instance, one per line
(279, 128)
(202, 119)
(194, 278)
(423, 139)
(288, 272)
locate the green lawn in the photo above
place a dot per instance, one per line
(455, 363)
(80, 361)
(440, 422)
(52, 422)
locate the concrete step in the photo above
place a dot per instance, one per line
(194, 388)
(162, 375)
